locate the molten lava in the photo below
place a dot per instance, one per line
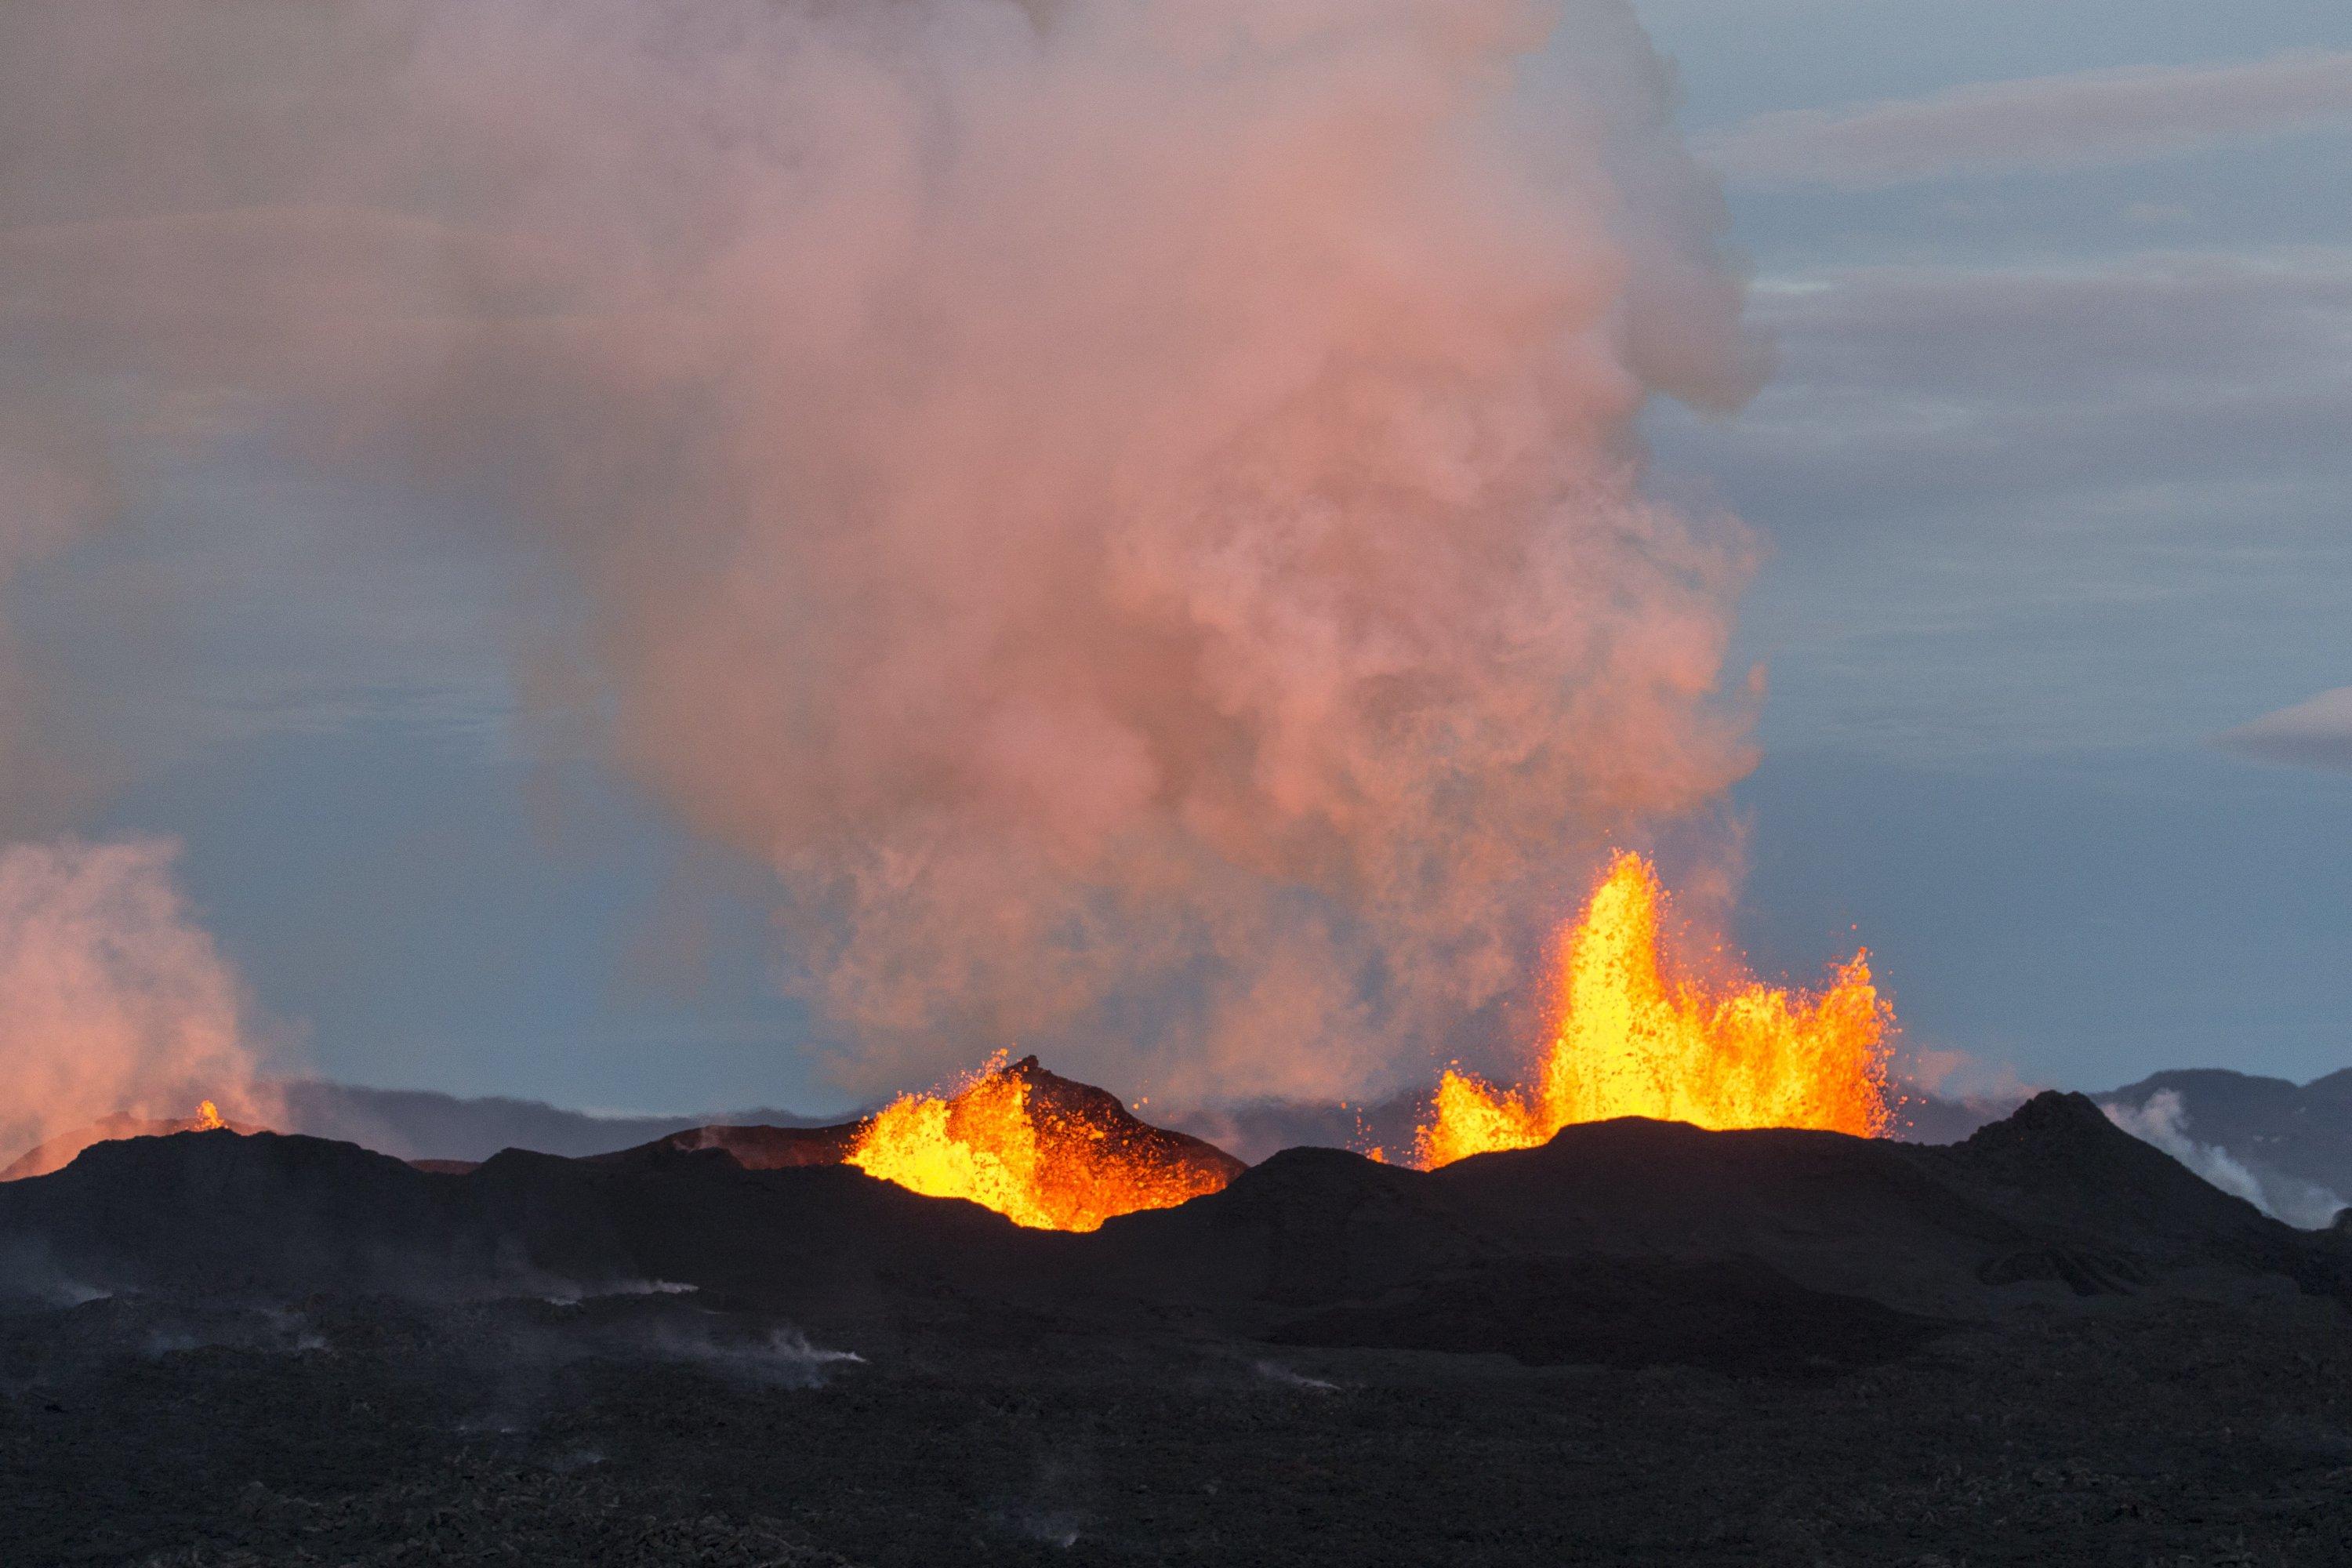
(208, 1117)
(1631, 1040)
(1039, 1150)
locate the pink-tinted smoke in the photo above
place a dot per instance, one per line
(115, 1001)
(1129, 507)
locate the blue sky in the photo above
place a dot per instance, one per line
(2057, 476)
(2054, 473)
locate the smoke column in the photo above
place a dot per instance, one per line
(1129, 507)
(116, 1001)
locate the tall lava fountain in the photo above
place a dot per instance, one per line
(1631, 1039)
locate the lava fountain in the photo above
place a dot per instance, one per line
(1631, 1039)
(1040, 1149)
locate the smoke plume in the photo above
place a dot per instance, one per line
(115, 1000)
(1130, 507)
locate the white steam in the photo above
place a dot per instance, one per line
(2163, 1123)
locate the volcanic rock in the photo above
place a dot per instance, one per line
(218, 1212)
(57, 1153)
(2035, 1209)
(755, 1148)
(1757, 1234)
(1082, 1111)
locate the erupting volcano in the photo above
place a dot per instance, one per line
(1632, 1040)
(1041, 1150)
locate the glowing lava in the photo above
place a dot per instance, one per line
(208, 1117)
(1631, 1040)
(1041, 1151)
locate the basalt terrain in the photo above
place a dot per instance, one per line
(2049, 1342)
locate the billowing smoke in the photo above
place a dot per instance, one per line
(112, 1000)
(2164, 1123)
(1130, 507)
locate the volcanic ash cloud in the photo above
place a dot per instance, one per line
(1130, 507)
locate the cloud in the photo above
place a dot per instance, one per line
(1949, 386)
(1980, 476)
(2085, 120)
(2314, 733)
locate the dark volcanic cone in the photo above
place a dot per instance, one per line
(1071, 1112)
(1627, 1241)
(1091, 1157)
(1071, 1118)
(755, 1148)
(61, 1151)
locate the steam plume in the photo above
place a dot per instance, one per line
(115, 1001)
(1130, 507)
(2164, 1123)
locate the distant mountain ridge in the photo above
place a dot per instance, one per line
(422, 1124)
(2305, 1130)
(419, 1125)
(2285, 1146)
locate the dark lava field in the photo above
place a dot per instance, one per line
(1641, 1343)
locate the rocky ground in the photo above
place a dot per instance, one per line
(651, 1430)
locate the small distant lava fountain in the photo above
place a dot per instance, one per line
(1632, 1040)
(1040, 1149)
(207, 1118)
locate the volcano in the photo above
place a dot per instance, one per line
(740, 1344)
(55, 1154)
(2054, 1205)
(1049, 1152)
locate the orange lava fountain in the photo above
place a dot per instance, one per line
(995, 1143)
(208, 1117)
(1631, 1041)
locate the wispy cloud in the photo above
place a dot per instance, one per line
(2083, 119)
(1965, 383)
(2314, 733)
(2004, 495)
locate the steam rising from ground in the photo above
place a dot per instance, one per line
(111, 999)
(2163, 1123)
(1129, 506)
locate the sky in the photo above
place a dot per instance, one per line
(2054, 470)
(2050, 473)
